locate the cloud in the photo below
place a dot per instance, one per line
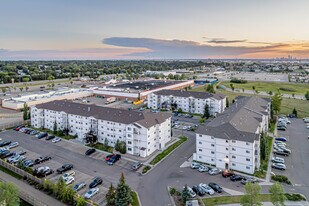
(225, 41)
(181, 49)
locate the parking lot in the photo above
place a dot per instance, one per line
(297, 166)
(85, 167)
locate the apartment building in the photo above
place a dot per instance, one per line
(232, 139)
(192, 102)
(143, 132)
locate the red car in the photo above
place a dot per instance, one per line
(227, 173)
(18, 128)
(108, 157)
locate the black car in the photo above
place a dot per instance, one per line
(42, 135)
(49, 137)
(42, 171)
(6, 153)
(64, 168)
(5, 143)
(114, 159)
(42, 159)
(90, 151)
(236, 178)
(215, 187)
(95, 182)
(199, 191)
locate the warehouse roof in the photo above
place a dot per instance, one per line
(146, 119)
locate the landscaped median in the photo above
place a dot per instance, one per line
(168, 150)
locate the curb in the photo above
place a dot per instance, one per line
(139, 200)
(170, 196)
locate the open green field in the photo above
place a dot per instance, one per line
(283, 87)
(231, 199)
(288, 104)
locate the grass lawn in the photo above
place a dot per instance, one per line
(288, 88)
(165, 152)
(9, 172)
(231, 199)
(134, 198)
(102, 147)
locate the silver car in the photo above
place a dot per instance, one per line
(195, 165)
(277, 160)
(203, 168)
(206, 189)
(214, 171)
(278, 166)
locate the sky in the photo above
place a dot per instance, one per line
(156, 29)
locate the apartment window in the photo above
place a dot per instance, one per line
(129, 128)
(233, 157)
(200, 157)
(148, 142)
(129, 135)
(247, 159)
(212, 160)
(247, 143)
(226, 148)
(200, 135)
(233, 149)
(212, 137)
(212, 152)
(129, 142)
(233, 141)
(200, 150)
(212, 145)
(120, 130)
(129, 149)
(247, 151)
(226, 141)
(247, 167)
(233, 164)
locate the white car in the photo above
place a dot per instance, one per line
(206, 189)
(91, 192)
(203, 168)
(15, 158)
(184, 127)
(176, 126)
(69, 180)
(214, 171)
(277, 160)
(56, 139)
(195, 165)
(12, 145)
(68, 174)
(191, 192)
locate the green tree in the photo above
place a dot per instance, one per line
(210, 88)
(251, 198)
(59, 188)
(294, 112)
(206, 111)
(227, 102)
(117, 145)
(253, 88)
(202, 120)
(270, 93)
(55, 127)
(179, 110)
(185, 195)
(9, 194)
(307, 95)
(21, 89)
(25, 111)
(276, 102)
(110, 196)
(105, 144)
(123, 193)
(81, 201)
(277, 194)
(3, 89)
(69, 195)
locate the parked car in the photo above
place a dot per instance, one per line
(108, 157)
(34, 132)
(214, 171)
(184, 127)
(191, 192)
(28, 163)
(41, 159)
(215, 187)
(281, 128)
(18, 127)
(291, 115)
(279, 142)
(195, 165)
(42, 171)
(236, 177)
(64, 168)
(20, 152)
(198, 190)
(207, 189)
(50, 137)
(69, 180)
(114, 159)
(15, 158)
(277, 160)
(6, 154)
(136, 165)
(246, 180)
(79, 186)
(203, 168)
(95, 182)
(41, 135)
(279, 166)
(56, 139)
(227, 173)
(90, 193)
(280, 152)
(13, 145)
(68, 174)
(286, 150)
(4, 143)
(282, 139)
(90, 151)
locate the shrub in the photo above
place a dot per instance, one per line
(238, 81)
(146, 168)
(287, 89)
(281, 178)
(173, 190)
(294, 197)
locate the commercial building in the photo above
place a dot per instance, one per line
(192, 102)
(143, 132)
(137, 90)
(232, 139)
(17, 102)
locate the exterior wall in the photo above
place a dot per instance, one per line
(139, 140)
(191, 105)
(226, 154)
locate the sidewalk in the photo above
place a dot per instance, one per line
(287, 203)
(30, 190)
